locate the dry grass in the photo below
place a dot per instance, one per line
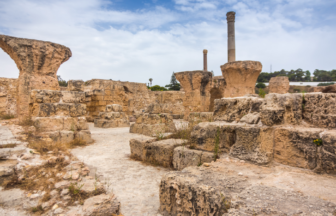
(6, 116)
(77, 143)
(8, 146)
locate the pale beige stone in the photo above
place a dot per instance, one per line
(279, 85)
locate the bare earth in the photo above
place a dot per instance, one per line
(135, 184)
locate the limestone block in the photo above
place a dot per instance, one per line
(38, 62)
(203, 135)
(329, 89)
(44, 124)
(320, 109)
(66, 136)
(161, 152)
(154, 108)
(81, 123)
(73, 97)
(251, 118)
(295, 146)
(77, 110)
(253, 144)
(45, 96)
(153, 129)
(137, 147)
(282, 109)
(104, 204)
(70, 124)
(104, 123)
(200, 117)
(7, 152)
(84, 135)
(114, 108)
(326, 160)
(136, 128)
(279, 85)
(75, 85)
(109, 115)
(184, 157)
(233, 109)
(240, 77)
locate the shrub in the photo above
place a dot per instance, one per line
(326, 84)
(260, 85)
(6, 116)
(157, 88)
(262, 93)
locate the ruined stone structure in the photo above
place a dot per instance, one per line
(217, 90)
(153, 124)
(38, 62)
(230, 17)
(196, 85)
(240, 77)
(8, 96)
(279, 85)
(59, 115)
(112, 117)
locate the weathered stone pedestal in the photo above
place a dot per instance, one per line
(279, 85)
(197, 85)
(38, 62)
(240, 77)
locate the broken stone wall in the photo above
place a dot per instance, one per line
(112, 117)
(8, 96)
(59, 115)
(134, 98)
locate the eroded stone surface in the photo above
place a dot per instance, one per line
(38, 62)
(279, 85)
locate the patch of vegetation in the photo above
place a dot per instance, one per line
(174, 84)
(6, 116)
(260, 85)
(157, 88)
(262, 93)
(8, 146)
(76, 143)
(37, 209)
(318, 142)
(62, 82)
(326, 84)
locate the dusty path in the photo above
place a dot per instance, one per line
(135, 184)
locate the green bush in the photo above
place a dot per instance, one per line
(326, 84)
(158, 88)
(260, 85)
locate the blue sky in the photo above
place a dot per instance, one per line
(132, 40)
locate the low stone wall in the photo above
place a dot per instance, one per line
(197, 117)
(59, 115)
(153, 124)
(166, 102)
(112, 117)
(8, 96)
(171, 153)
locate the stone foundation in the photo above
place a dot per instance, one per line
(113, 117)
(8, 96)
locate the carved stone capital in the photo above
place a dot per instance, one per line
(205, 51)
(230, 16)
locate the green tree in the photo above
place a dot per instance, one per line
(150, 80)
(174, 84)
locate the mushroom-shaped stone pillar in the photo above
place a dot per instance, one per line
(240, 77)
(38, 62)
(197, 85)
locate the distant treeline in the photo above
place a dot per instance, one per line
(299, 75)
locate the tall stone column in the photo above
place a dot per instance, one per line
(230, 17)
(205, 60)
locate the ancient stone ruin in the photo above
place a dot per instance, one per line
(279, 85)
(105, 147)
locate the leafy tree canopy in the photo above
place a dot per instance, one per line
(62, 82)
(174, 84)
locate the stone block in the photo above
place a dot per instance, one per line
(279, 85)
(200, 117)
(137, 147)
(77, 110)
(295, 146)
(104, 123)
(109, 115)
(70, 124)
(45, 96)
(73, 97)
(66, 136)
(184, 157)
(251, 118)
(104, 204)
(7, 152)
(84, 135)
(136, 128)
(42, 109)
(320, 109)
(233, 109)
(154, 108)
(161, 152)
(282, 109)
(44, 124)
(75, 85)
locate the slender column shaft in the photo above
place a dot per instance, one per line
(230, 17)
(205, 60)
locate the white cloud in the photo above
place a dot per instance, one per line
(142, 44)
